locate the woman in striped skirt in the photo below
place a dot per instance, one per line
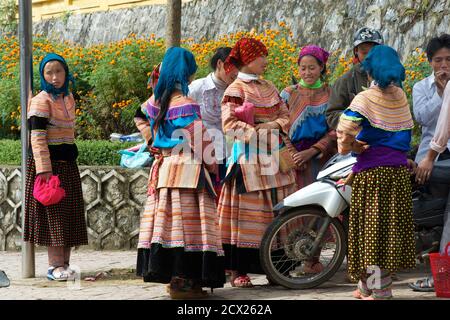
(179, 238)
(252, 187)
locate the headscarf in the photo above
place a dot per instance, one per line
(384, 66)
(244, 51)
(315, 51)
(48, 87)
(177, 66)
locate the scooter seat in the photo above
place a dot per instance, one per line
(429, 212)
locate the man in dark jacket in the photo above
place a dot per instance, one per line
(352, 82)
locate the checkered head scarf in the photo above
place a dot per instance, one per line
(244, 51)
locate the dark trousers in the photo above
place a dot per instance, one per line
(441, 175)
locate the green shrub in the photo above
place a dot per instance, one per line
(119, 87)
(100, 153)
(91, 152)
(10, 152)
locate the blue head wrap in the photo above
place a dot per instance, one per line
(384, 66)
(48, 87)
(176, 68)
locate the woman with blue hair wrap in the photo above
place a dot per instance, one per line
(51, 118)
(179, 238)
(50, 87)
(377, 129)
(384, 66)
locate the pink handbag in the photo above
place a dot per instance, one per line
(48, 193)
(246, 113)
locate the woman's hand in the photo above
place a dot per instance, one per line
(423, 171)
(45, 176)
(302, 157)
(412, 166)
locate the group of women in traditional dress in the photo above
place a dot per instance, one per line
(205, 215)
(202, 223)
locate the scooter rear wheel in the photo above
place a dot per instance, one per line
(285, 244)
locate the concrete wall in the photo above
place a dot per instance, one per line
(114, 199)
(44, 9)
(330, 23)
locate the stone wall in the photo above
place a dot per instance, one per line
(114, 198)
(330, 23)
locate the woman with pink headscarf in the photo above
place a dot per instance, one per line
(311, 143)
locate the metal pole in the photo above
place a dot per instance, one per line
(26, 41)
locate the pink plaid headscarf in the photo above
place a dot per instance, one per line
(315, 51)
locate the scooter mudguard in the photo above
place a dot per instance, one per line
(320, 194)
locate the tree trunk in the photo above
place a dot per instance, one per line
(173, 27)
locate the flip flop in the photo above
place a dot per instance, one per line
(358, 295)
(243, 282)
(54, 274)
(313, 267)
(423, 285)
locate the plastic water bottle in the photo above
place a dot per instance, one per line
(135, 137)
(115, 136)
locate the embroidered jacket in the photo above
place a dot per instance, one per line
(307, 109)
(268, 108)
(381, 118)
(52, 123)
(182, 165)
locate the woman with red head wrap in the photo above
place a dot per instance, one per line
(254, 183)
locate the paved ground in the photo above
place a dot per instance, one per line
(120, 282)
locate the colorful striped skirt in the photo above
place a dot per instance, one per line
(244, 217)
(179, 236)
(62, 224)
(381, 231)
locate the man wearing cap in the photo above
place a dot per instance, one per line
(352, 82)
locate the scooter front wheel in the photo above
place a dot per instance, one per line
(303, 248)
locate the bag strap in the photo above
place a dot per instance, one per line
(142, 148)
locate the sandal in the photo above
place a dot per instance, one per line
(313, 267)
(359, 295)
(177, 294)
(423, 285)
(55, 273)
(243, 282)
(181, 289)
